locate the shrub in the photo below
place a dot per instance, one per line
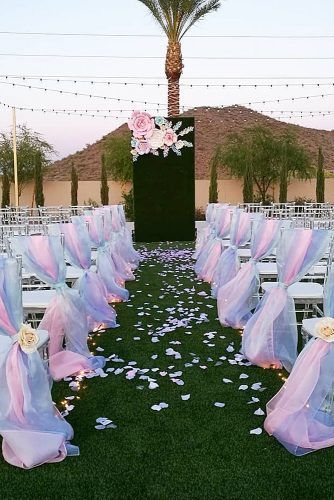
(39, 195)
(5, 188)
(199, 213)
(302, 200)
(74, 186)
(129, 204)
(104, 190)
(91, 203)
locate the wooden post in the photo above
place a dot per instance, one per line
(16, 185)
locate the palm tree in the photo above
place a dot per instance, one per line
(176, 17)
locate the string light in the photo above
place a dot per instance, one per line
(148, 35)
(186, 78)
(80, 94)
(91, 81)
(99, 113)
(197, 58)
(208, 108)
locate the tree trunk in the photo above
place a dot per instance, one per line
(173, 70)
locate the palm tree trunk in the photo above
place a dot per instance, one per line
(173, 69)
(173, 97)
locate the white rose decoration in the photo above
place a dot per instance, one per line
(324, 329)
(179, 144)
(28, 339)
(156, 141)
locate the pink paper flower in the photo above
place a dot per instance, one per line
(142, 147)
(170, 137)
(141, 124)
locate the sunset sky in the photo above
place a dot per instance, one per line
(129, 17)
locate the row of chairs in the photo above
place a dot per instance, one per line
(300, 259)
(35, 273)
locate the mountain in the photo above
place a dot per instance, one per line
(212, 126)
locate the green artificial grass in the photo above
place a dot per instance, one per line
(192, 449)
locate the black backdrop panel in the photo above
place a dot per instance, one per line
(164, 193)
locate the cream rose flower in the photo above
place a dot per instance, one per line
(179, 144)
(28, 339)
(324, 329)
(157, 139)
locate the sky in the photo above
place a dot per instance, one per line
(68, 133)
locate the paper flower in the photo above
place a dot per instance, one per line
(142, 147)
(28, 339)
(170, 137)
(324, 329)
(179, 144)
(141, 124)
(160, 120)
(156, 141)
(150, 135)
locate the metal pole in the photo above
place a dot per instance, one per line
(16, 186)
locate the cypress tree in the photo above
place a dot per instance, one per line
(248, 187)
(320, 189)
(213, 188)
(283, 185)
(39, 194)
(5, 201)
(104, 183)
(74, 186)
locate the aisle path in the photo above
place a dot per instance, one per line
(180, 404)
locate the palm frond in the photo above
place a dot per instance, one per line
(176, 17)
(201, 10)
(158, 14)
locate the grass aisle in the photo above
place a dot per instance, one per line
(192, 449)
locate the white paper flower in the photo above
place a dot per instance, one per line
(324, 329)
(28, 339)
(157, 139)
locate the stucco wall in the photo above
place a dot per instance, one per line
(59, 192)
(230, 191)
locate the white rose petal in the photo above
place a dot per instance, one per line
(156, 407)
(256, 431)
(227, 381)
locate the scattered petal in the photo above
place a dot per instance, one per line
(227, 381)
(156, 407)
(256, 431)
